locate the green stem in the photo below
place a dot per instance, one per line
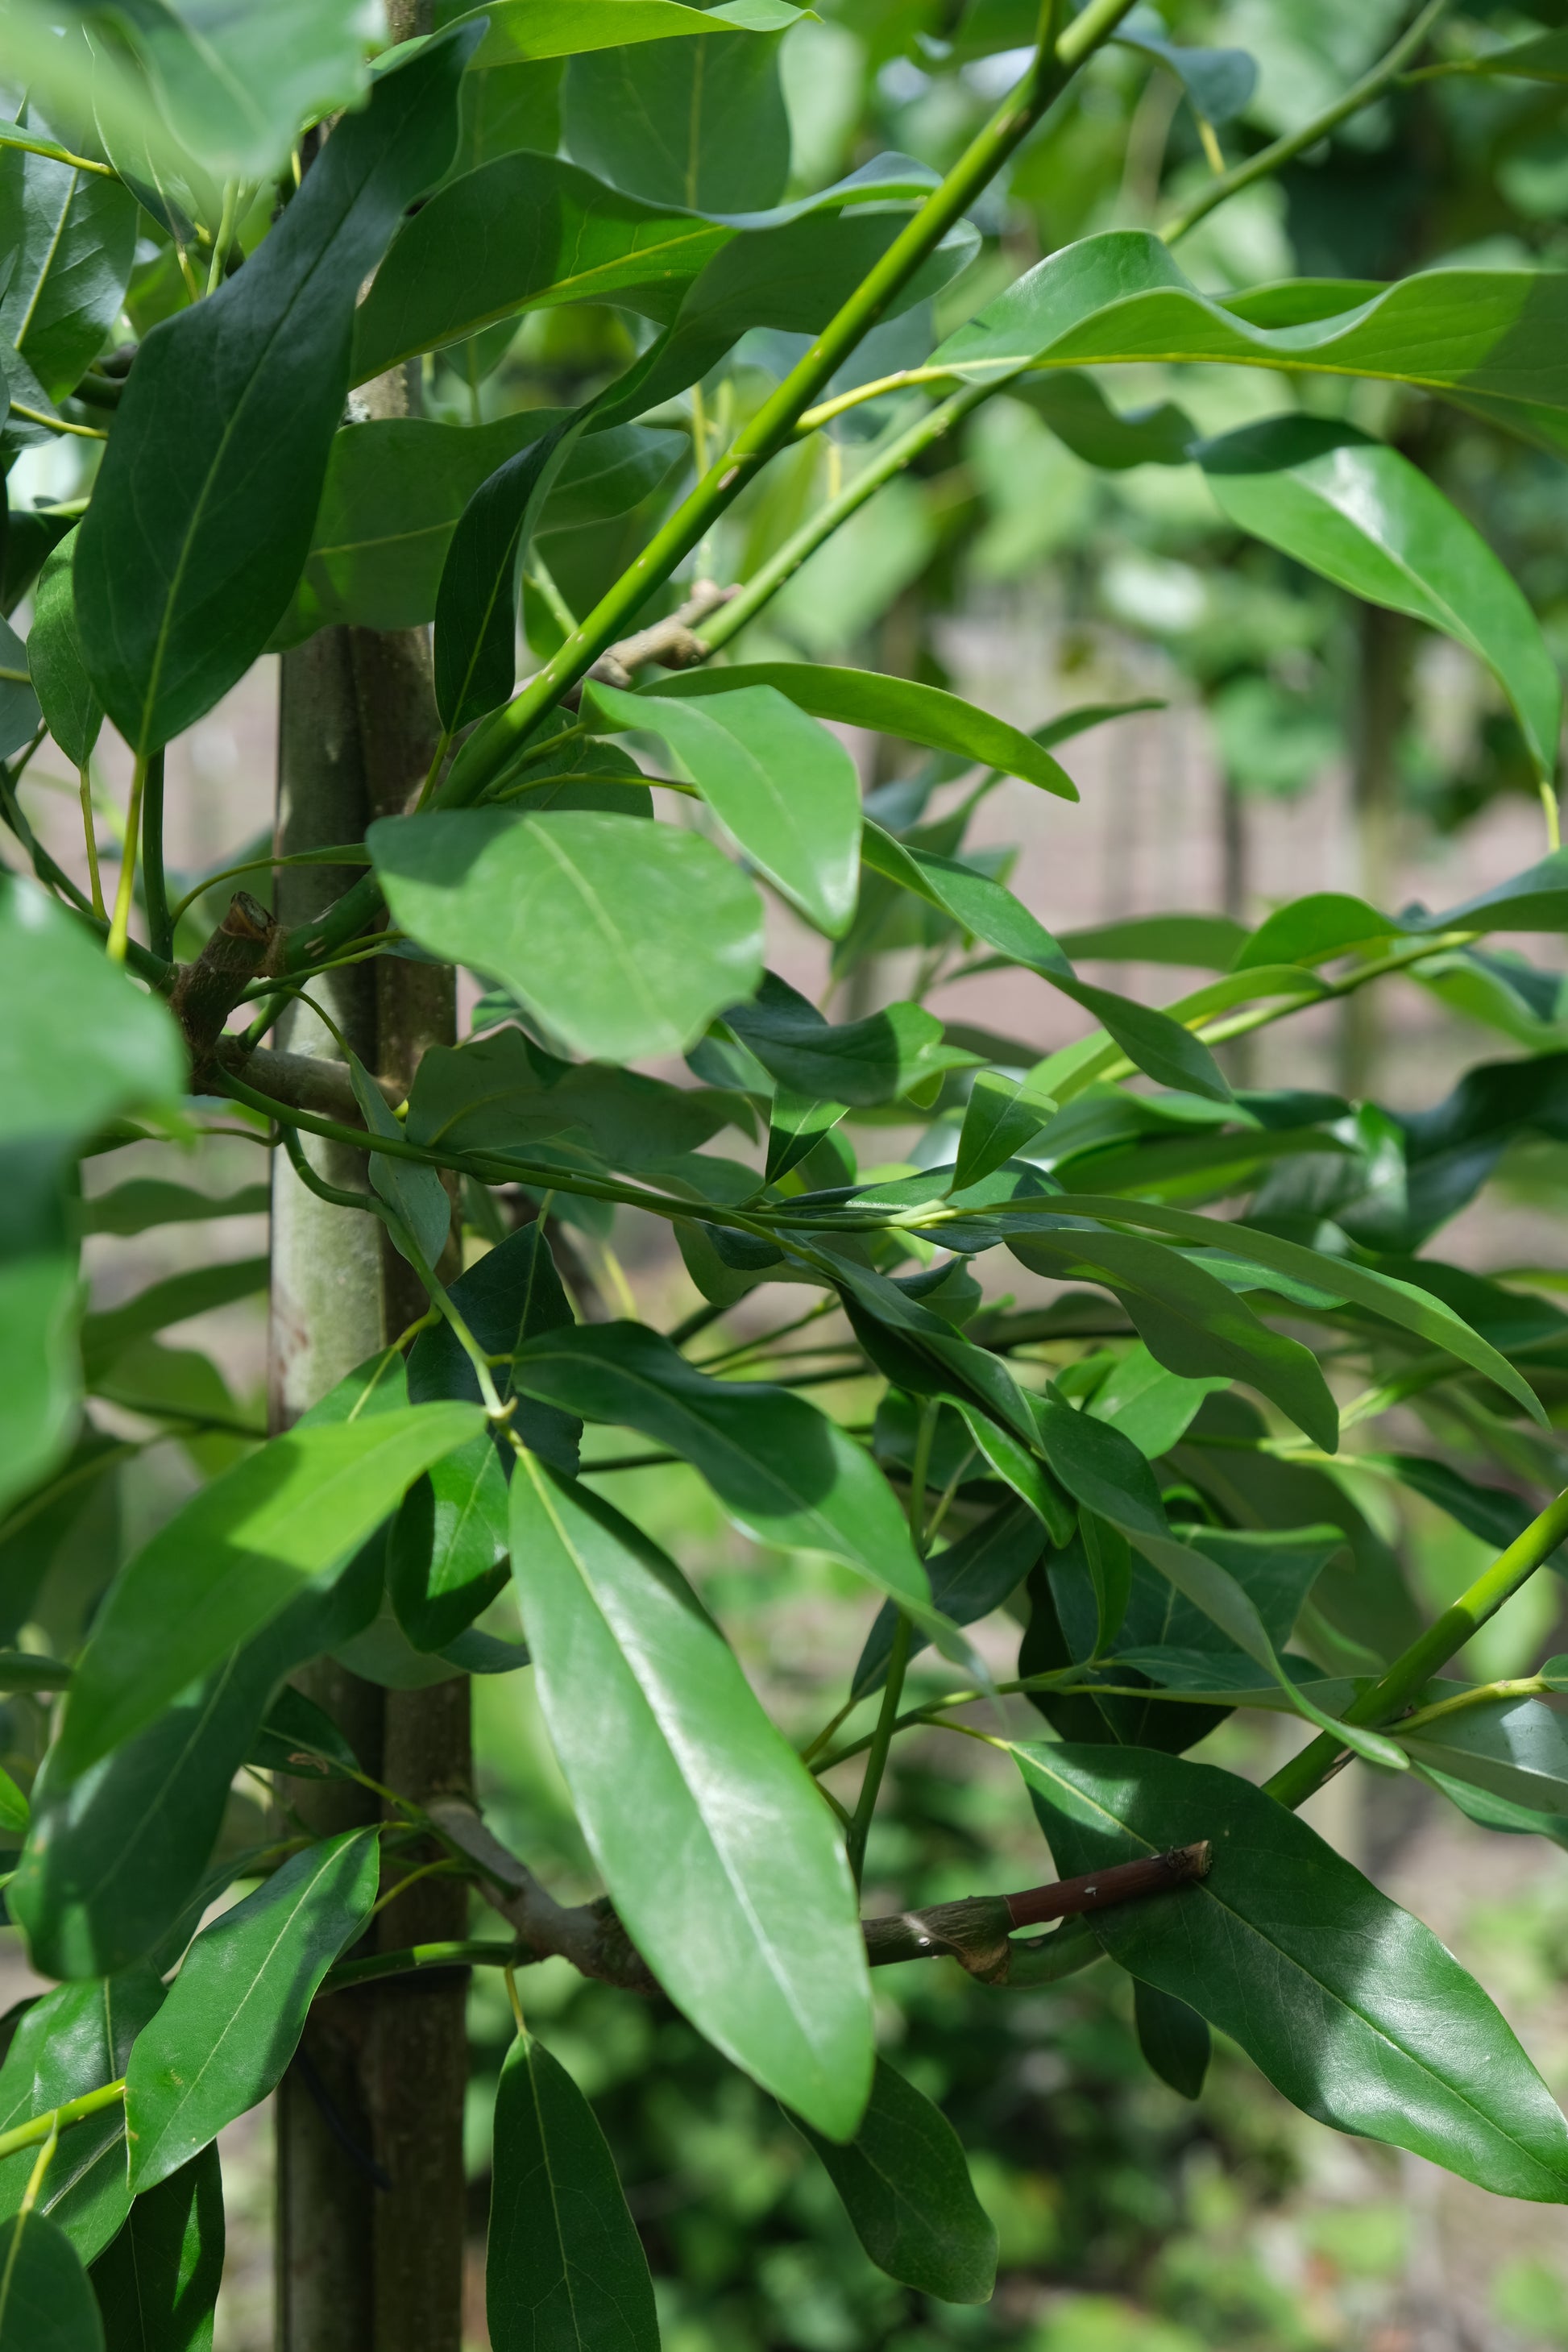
(12, 137)
(882, 465)
(90, 839)
(1363, 93)
(74, 2111)
(154, 886)
(119, 929)
(1389, 1696)
(480, 1955)
(1481, 1694)
(881, 1741)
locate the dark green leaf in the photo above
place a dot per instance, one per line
(69, 236)
(422, 1212)
(1174, 2038)
(72, 711)
(623, 939)
(108, 1334)
(395, 487)
(1212, 942)
(695, 123)
(504, 1093)
(512, 1294)
(75, 2040)
(564, 2268)
(118, 1853)
(692, 1805)
(888, 705)
(234, 2013)
(445, 1558)
(46, 2303)
(233, 1557)
(1365, 516)
(786, 1473)
(157, 2285)
(876, 1060)
(783, 787)
(178, 594)
(1190, 1321)
(1002, 1117)
(797, 1125)
(19, 708)
(476, 604)
(1516, 1749)
(300, 1737)
(1219, 82)
(1352, 2008)
(1079, 413)
(142, 1201)
(968, 1581)
(907, 2191)
(565, 28)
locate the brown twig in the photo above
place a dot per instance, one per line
(205, 993)
(673, 642)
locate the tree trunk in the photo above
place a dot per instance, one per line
(371, 2203)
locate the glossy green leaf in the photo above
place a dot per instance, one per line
(565, 28)
(72, 711)
(157, 2285)
(234, 1555)
(75, 2040)
(234, 2013)
(623, 939)
(46, 2303)
(1210, 941)
(1003, 1115)
(178, 594)
(14, 1812)
(875, 1060)
(1079, 413)
(1121, 298)
(796, 1125)
(968, 1581)
(787, 1474)
(784, 788)
(447, 1553)
(907, 2191)
(888, 705)
(421, 1209)
(1020, 1469)
(300, 1739)
(1150, 1405)
(1174, 2038)
(699, 123)
(1352, 2008)
(1363, 516)
(476, 604)
(564, 2268)
(692, 1805)
(69, 236)
(1190, 1321)
(117, 1853)
(505, 1093)
(512, 1294)
(395, 487)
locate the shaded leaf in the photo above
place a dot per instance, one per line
(907, 2191)
(968, 1581)
(157, 2285)
(476, 604)
(71, 710)
(1172, 2037)
(75, 2040)
(46, 2303)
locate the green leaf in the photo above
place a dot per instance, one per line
(46, 2303)
(877, 1060)
(692, 1805)
(69, 236)
(622, 938)
(697, 122)
(1516, 1749)
(144, 1201)
(395, 487)
(14, 1812)
(505, 1093)
(234, 2013)
(1080, 415)
(888, 705)
(1120, 298)
(564, 2268)
(476, 604)
(1003, 1115)
(300, 1738)
(1543, 58)
(19, 710)
(1398, 1302)
(1350, 2008)
(512, 1294)
(1210, 941)
(1172, 2037)
(1190, 1321)
(784, 788)
(73, 2040)
(968, 1581)
(157, 2285)
(795, 1127)
(565, 28)
(1363, 516)
(107, 1336)
(445, 1557)
(178, 594)
(416, 1196)
(1020, 1469)
(88, 1043)
(787, 1474)
(1148, 1404)
(1219, 82)
(117, 1852)
(72, 711)
(907, 2191)
(233, 1557)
